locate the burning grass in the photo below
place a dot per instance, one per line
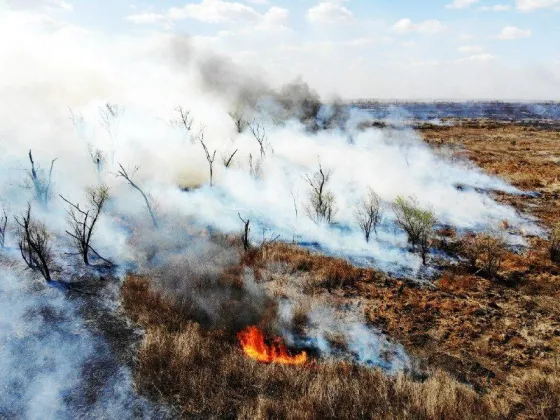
(500, 334)
(206, 373)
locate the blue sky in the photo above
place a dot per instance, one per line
(503, 49)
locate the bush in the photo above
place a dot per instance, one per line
(555, 243)
(484, 252)
(418, 223)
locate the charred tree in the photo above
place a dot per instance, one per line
(34, 244)
(227, 159)
(82, 222)
(124, 174)
(209, 158)
(259, 133)
(245, 234)
(3, 227)
(39, 181)
(239, 120)
(555, 244)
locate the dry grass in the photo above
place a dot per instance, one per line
(502, 337)
(205, 373)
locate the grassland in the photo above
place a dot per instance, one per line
(484, 348)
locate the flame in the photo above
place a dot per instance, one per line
(253, 345)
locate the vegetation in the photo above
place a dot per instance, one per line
(3, 227)
(34, 244)
(418, 223)
(39, 181)
(368, 213)
(555, 243)
(484, 252)
(321, 203)
(82, 222)
(207, 375)
(147, 199)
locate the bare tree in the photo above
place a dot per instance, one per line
(78, 122)
(239, 119)
(259, 133)
(418, 224)
(184, 120)
(209, 158)
(34, 244)
(110, 121)
(255, 167)
(124, 174)
(368, 213)
(39, 181)
(98, 158)
(245, 234)
(227, 159)
(3, 227)
(82, 222)
(555, 243)
(321, 204)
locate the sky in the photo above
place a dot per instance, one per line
(407, 49)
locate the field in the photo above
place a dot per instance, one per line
(480, 347)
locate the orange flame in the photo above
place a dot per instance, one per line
(253, 345)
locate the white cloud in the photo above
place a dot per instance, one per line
(477, 57)
(217, 12)
(329, 12)
(470, 49)
(496, 8)
(530, 5)
(40, 4)
(405, 26)
(461, 4)
(142, 18)
(512, 32)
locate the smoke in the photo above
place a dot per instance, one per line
(50, 66)
(52, 366)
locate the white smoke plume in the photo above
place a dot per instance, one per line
(55, 83)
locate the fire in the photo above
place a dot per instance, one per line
(253, 345)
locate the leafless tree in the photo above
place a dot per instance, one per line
(3, 227)
(82, 222)
(259, 133)
(368, 213)
(39, 181)
(245, 234)
(149, 205)
(98, 158)
(239, 120)
(209, 158)
(321, 204)
(418, 223)
(34, 244)
(78, 122)
(110, 119)
(227, 159)
(555, 243)
(184, 120)
(255, 167)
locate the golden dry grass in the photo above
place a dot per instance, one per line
(502, 336)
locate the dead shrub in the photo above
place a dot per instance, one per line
(555, 243)
(484, 253)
